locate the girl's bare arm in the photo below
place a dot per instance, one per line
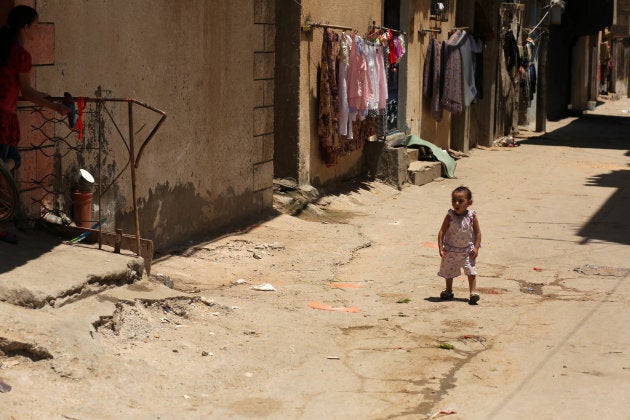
(441, 233)
(477, 231)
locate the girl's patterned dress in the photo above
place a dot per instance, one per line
(459, 240)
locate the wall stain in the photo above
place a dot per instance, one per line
(179, 215)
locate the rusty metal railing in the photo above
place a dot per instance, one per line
(102, 108)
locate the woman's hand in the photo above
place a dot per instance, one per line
(60, 108)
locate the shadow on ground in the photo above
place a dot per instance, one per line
(611, 222)
(32, 244)
(589, 131)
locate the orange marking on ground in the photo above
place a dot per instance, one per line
(324, 307)
(345, 286)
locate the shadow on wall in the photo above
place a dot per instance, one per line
(611, 222)
(171, 216)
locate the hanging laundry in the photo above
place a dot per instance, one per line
(79, 123)
(353, 90)
(453, 98)
(392, 48)
(427, 72)
(327, 129)
(345, 122)
(532, 82)
(528, 63)
(510, 50)
(470, 47)
(401, 50)
(373, 100)
(360, 89)
(382, 78)
(431, 79)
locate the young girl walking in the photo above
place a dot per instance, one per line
(458, 242)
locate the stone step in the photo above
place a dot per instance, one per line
(422, 172)
(412, 155)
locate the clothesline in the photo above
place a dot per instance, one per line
(385, 28)
(308, 26)
(458, 28)
(436, 30)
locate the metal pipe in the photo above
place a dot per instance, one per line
(102, 100)
(434, 30)
(307, 27)
(149, 137)
(396, 31)
(132, 168)
(100, 175)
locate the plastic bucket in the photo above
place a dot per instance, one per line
(82, 207)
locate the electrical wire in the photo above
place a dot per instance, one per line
(539, 23)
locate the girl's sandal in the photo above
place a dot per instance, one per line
(447, 295)
(8, 236)
(474, 298)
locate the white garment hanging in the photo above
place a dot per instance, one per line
(345, 122)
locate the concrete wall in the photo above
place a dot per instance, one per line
(621, 67)
(581, 73)
(482, 117)
(210, 67)
(287, 92)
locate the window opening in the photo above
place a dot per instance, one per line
(439, 10)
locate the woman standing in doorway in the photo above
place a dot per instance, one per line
(15, 78)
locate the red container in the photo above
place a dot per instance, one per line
(82, 207)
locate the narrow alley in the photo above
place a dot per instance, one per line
(545, 340)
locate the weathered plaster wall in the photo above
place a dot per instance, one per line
(210, 67)
(580, 73)
(287, 92)
(482, 117)
(357, 15)
(621, 69)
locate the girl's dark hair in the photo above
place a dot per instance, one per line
(19, 17)
(464, 190)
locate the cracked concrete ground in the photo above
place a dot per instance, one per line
(545, 341)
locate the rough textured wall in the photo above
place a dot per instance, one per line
(209, 66)
(622, 66)
(580, 73)
(483, 112)
(357, 15)
(287, 93)
(413, 62)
